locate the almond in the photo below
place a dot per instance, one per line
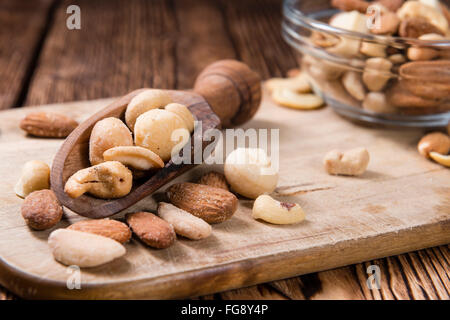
(151, 229)
(82, 249)
(113, 229)
(213, 205)
(214, 179)
(41, 209)
(48, 124)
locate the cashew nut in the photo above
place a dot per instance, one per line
(106, 134)
(298, 83)
(352, 162)
(143, 102)
(136, 157)
(353, 84)
(376, 73)
(440, 158)
(268, 209)
(35, 176)
(249, 172)
(434, 142)
(106, 180)
(292, 99)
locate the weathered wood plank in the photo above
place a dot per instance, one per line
(22, 26)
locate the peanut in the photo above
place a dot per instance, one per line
(106, 180)
(352, 162)
(35, 176)
(268, 209)
(249, 172)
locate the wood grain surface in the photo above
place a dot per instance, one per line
(349, 220)
(132, 44)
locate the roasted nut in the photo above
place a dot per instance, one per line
(214, 179)
(298, 83)
(352, 162)
(112, 229)
(412, 9)
(48, 124)
(352, 82)
(387, 24)
(291, 99)
(249, 172)
(153, 130)
(35, 176)
(106, 134)
(434, 142)
(397, 95)
(416, 27)
(376, 102)
(184, 223)
(152, 230)
(143, 102)
(135, 157)
(41, 210)
(352, 21)
(376, 73)
(397, 58)
(106, 180)
(350, 5)
(183, 112)
(82, 249)
(268, 209)
(211, 204)
(372, 49)
(440, 158)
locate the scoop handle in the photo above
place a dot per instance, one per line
(231, 89)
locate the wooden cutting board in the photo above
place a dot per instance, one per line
(400, 204)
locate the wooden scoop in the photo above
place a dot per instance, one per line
(226, 93)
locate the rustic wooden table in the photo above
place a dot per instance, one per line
(123, 45)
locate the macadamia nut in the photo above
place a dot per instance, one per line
(351, 163)
(270, 210)
(106, 180)
(154, 129)
(143, 102)
(249, 172)
(35, 176)
(106, 134)
(183, 112)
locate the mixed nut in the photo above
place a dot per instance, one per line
(383, 75)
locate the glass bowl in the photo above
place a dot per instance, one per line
(368, 77)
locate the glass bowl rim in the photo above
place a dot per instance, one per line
(298, 17)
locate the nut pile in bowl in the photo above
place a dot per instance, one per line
(385, 62)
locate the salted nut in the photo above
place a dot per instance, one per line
(183, 112)
(434, 142)
(135, 157)
(376, 73)
(143, 102)
(292, 99)
(106, 180)
(249, 172)
(184, 223)
(298, 83)
(154, 130)
(106, 134)
(270, 210)
(351, 163)
(35, 176)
